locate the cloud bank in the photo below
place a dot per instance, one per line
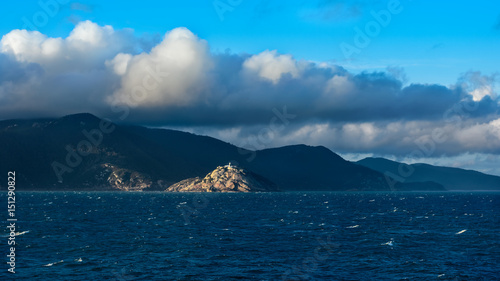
(179, 82)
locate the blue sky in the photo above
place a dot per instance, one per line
(363, 78)
(434, 41)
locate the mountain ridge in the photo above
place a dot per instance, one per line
(84, 152)
(451, 178)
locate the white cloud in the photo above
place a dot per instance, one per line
(119, 64)
(363, 133)
(25, 46)
(271, 65)
(479, 85)
(480, 93)
(482, 136)
(340, 85)
(88, 34)
(85, 49)
(173, 73)
(403, 138)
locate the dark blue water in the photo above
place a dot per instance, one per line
(266, 236)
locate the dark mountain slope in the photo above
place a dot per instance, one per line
(300, 167)
(33, 147)
(82, 151)
(450, 178)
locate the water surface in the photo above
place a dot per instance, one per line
(262, 236)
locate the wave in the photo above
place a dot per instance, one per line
(15, 234)
(54, 263)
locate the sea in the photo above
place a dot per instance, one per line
(254, 236)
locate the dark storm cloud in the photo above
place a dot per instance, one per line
(367, 97)
(15, 72)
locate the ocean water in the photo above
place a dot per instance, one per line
(261, 236)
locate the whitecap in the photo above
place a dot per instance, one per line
(353, 226)
(390, 243)
(15, 234)
(21, 233)
(54, 263)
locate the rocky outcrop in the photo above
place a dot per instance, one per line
(225, 179)
(126, 179)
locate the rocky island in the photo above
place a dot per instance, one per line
(229, 178)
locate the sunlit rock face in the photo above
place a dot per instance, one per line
(225, 179)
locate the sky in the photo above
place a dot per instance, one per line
(413, 81)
